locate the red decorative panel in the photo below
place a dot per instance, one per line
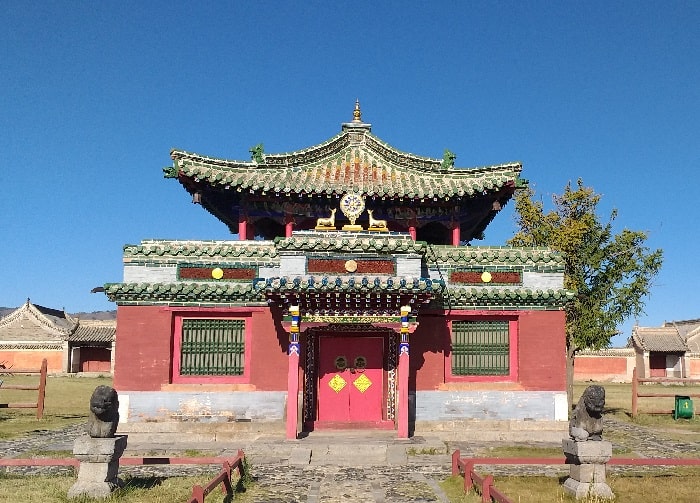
(474, 277)
(230, 273)
(335, 266)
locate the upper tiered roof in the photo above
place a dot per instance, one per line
(354, 161)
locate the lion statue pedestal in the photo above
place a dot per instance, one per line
(99, 449)
(586, 452)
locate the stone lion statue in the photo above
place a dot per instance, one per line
(587, 420)
(104, 412)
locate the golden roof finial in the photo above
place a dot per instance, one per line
(357, 114)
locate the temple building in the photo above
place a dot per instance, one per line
(354, 297)
(32, 333)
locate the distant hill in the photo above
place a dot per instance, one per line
(95, 315)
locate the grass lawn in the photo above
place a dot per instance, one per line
(660, 486)
(618, 404)
(67, 402)
(29, 489)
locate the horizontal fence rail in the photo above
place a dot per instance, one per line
(198, 492)
(489, 493)
(223, 479)
(636, 394)
(126, 461)
(40, 388)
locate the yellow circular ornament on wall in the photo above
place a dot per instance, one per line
(486, 277)
(217, 273)
(351, 266)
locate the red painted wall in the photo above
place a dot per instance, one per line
(31, 360)
(542, 350)
(143, 356)
(143, 348)
(601, 368)
(269, 360)
(694, 367)
(429, 344)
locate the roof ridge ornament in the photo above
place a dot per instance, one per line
(356, 120)
(257, 154)
(357, 113)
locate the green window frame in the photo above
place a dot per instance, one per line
(212, 347)
(480, 348)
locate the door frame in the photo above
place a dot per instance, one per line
(311, 375)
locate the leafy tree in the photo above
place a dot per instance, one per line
(610, 273)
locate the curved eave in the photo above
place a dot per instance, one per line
(475, 298)
(203, 250)
(351, 244)
(371, 167)
(183, 293)
(349, 284)
(495, 255)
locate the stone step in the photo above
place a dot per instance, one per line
(462, 430)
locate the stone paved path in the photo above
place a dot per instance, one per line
(289, 478)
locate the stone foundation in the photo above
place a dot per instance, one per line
(588, 466)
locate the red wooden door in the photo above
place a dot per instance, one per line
(350, 385)
(95, 359)
(657, 364)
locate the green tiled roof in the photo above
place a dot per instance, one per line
(256, 293)
(183, 293)
(202, 249)
(490, 298)
(350, 242)
(494, 256)
(361, 284)
(353, 161)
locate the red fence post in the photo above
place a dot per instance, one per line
(240, 458)
(226, 487)
(468, 481)
(634, 392)
(486, 489)
(42, 390)
(198, 493)
(455, 462)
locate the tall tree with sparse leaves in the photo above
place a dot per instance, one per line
(611, 274)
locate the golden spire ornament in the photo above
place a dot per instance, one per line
(357, 114)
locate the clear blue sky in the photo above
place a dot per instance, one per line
(93, 95)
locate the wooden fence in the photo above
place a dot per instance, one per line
(636, 394)
(198, 492)
(41, 388)
(223, 478)
(471, 478)
(490, 493)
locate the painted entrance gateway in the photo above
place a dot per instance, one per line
(352, 298)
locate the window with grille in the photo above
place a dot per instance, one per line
(212, 347)
(480, 348)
